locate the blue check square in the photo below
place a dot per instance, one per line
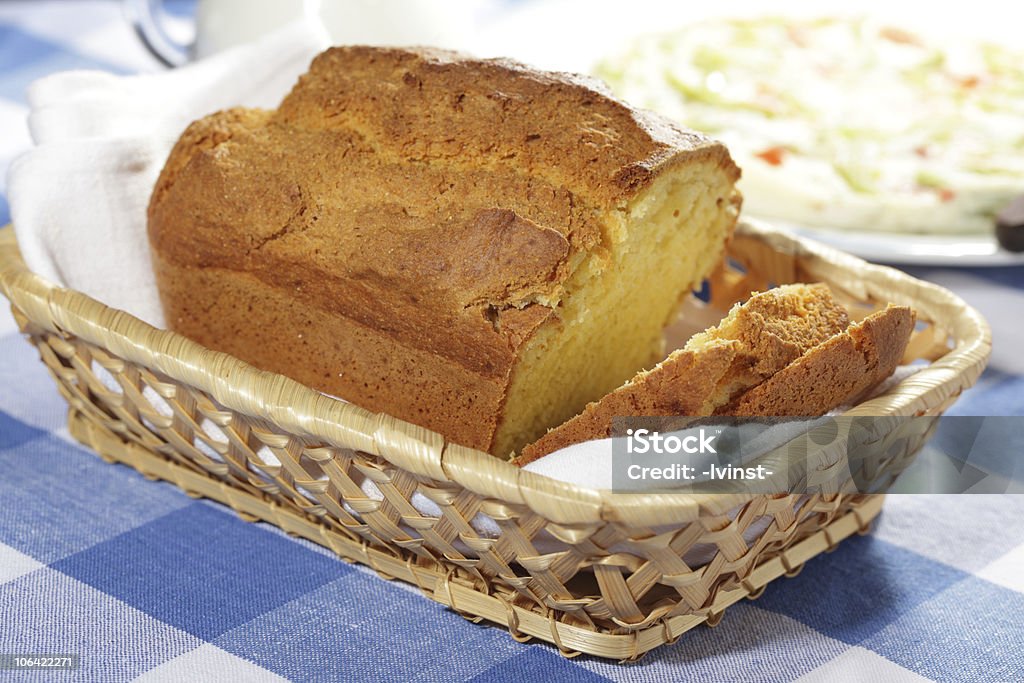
(860, 589)
(45, 611)
(974, 623)
(345, 630)
(59, 499)
(14, 433)
(537, 663)
(202, 570)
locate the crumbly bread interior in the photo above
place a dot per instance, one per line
(754, 341)
(616, 305)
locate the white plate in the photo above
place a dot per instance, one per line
(914, 249)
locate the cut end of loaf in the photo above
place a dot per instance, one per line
(658, 248)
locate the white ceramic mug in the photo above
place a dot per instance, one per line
(220, 24)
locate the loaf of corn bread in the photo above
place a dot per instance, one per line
(470, 245)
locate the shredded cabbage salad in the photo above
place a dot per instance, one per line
(844, 123)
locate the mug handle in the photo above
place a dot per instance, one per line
(144, 16)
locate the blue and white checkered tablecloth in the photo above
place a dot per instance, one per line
(142, 581)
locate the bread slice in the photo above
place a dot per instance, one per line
(472, 246)
(757, 339)
(834, 373)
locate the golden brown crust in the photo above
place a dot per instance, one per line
(424, 202)
(566, 128)
(835, 372)
(756, 340)
(319, 349)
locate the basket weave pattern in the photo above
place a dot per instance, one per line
(591, 571)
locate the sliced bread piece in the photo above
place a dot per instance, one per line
(833, 373)
(756, 340)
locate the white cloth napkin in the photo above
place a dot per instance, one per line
(78, 198)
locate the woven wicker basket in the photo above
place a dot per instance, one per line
(588, 570)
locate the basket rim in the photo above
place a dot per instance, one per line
(304, 411)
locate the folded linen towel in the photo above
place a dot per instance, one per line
(78, 198)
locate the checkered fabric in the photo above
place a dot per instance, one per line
(142, 581)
